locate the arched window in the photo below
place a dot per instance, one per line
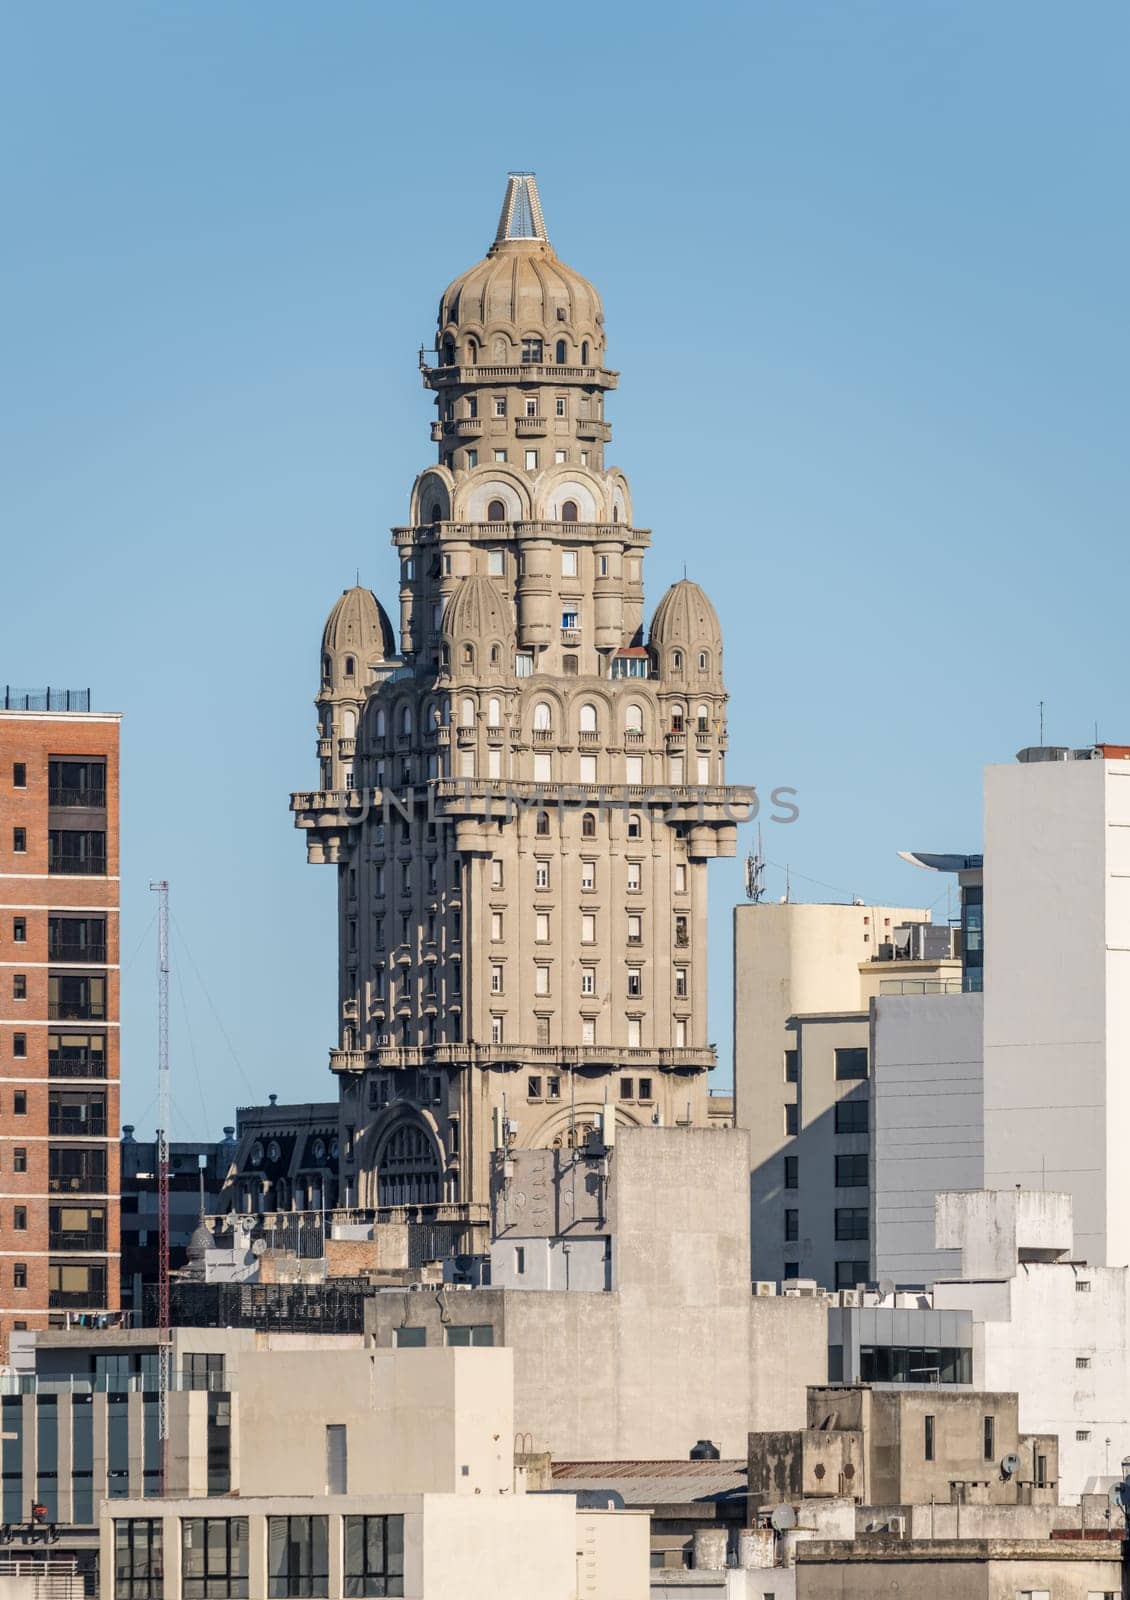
(379, 723)
(495, 655)
(588, 826)
(349, 723)
(449, 352)
(494, 712)
(702, 718)
(678, 715)
(468, 655)
(559, 352)
(615, 513)
(437, 512)
(496, 511)
(543, 716)
(541, 828)
(467, 712)
(350, 666)
(408, 1169)
(569, 511)
(635, 826)
(326, 722)
(588, 718)
(676, 661)
(444, 656)
(703, 661)
(633, 718)
(472, 353)
(406, 720)
(327, 671)
(584, 352)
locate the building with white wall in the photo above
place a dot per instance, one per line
(1049, 1326)
(1057, 985)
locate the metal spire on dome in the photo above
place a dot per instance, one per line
(521, 216)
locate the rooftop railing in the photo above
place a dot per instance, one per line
(45, 699)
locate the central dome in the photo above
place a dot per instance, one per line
(521, 293)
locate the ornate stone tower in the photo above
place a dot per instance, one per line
(522, 803)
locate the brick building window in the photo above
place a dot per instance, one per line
(19, 840)
(19, 1275)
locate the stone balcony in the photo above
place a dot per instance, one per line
(444, 377)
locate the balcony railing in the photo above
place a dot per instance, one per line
(69, 794)
(76, 866)
(77, 1299)
(93, 954)
(67, 1239)
(84, 1065)
(77, 1183)
(76, 1010)
(93, 1127)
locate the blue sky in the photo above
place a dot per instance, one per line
(864, 271)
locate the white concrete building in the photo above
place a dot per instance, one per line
(1052, 1328)
(1057, 985)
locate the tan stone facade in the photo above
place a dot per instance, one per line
(59, 972)
(522, 802)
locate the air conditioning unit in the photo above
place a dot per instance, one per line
(801, 1287)
(851, 1297)
(897, 1526)
(763, 1286)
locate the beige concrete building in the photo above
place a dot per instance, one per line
(676, 1349)
(901, 1447)
(804, 980)
(960, 1569)
(520, 787)
(373, 1472)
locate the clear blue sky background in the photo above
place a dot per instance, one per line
(864, 269)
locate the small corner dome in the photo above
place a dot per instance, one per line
(201, 1241)
(685, 617)
(478, 610)
(358, 623)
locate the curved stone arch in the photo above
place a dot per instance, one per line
(602, 703)
(492, 482)
(555, 1124)
(434, 486)
(399, 1115)
(559, 483)
(553, 696)
(500, 346)
(619, 496)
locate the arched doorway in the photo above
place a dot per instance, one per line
(408, 1168)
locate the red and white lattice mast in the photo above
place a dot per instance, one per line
(164, 1353)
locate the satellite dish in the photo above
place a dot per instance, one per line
(259, 1248)
(782, 1518)
(887, 1287)
(1010, 1465)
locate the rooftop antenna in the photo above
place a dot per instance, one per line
(1041, 724)
(161, 889)
(755, 873)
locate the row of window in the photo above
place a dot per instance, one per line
(676, 775)
(71, 852)
(69, 783)
(549, 1088)
(588, 982)
(634, 1028)
(851, 1172)
(847, 1275)
(850, 1221)
(543, 872)
(531, 404)
(851, 1064)
(69, 1055)
(633, 928)
(532, 351)
(850, 1117)
(541, 720)
(69, 1169)
(215, 1563)
(530, 460)
(68, 938)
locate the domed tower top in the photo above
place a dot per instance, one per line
(518, 367)
(356, 641)
(686, 636)
(497, 310)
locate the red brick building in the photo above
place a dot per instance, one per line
(59, 999)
